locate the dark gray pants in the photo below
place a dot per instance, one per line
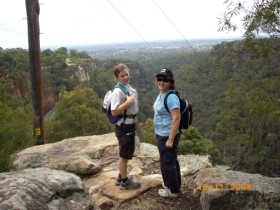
(169, 165)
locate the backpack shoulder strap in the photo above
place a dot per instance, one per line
(165, 98)
(190, 107)
(122, 87)
(126, 92)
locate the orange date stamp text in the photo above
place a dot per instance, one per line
(233, 187)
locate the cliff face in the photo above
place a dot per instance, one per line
(77, 74)
(19, 84)
(20, 87)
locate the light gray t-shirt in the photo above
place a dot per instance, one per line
(119, 97)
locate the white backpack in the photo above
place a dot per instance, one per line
(106, 107)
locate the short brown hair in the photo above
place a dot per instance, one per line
(119, 68)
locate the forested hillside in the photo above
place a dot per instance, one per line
(236, 99)
(234, 89)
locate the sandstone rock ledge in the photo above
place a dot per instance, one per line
(79, 173)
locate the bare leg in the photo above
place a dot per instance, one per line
(123, 167)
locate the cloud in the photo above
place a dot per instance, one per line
(71, 22)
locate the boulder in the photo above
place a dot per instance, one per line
(44, 189)
(79, 155)
(219, 188)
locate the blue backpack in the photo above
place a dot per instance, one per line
(106, 107)
(185, 110)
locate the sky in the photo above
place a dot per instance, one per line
(66, 23)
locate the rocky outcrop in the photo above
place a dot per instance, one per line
(80, 155)
(79, 173)
(44, 189)
(220, 188)
(95, 160)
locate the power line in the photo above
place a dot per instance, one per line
(172, 23)
(129, 23)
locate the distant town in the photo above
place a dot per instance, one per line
(120, 50)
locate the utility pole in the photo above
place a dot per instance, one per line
(33, 10)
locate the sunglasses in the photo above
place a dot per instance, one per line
(165, 79)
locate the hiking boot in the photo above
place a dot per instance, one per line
(118, 180)
(166, 193)
(129, 184)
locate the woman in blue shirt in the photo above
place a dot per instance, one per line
(167, 134)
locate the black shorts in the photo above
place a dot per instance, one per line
(126, 138)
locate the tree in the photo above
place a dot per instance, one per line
(15, 130)
(14, 60)
(148, 132)
(250, 122)
(101, 80)
(263, 17)
(192, 142)
(77, 113)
